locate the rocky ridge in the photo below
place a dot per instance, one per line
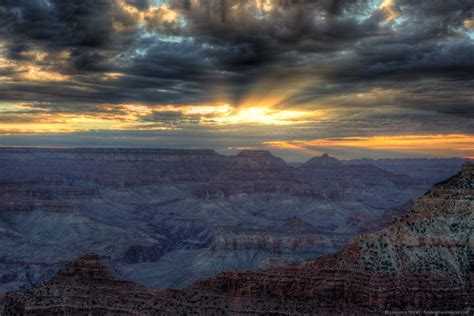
(211, 175)
(323, 177)
(429, 170)
(116, 167)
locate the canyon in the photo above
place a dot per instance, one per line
(421, 263)
(168, 217)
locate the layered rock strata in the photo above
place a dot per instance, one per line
(421, 263)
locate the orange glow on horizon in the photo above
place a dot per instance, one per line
(143, 117)
(437, 145)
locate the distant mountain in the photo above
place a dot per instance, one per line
(430, 170)
(422, 263)
(260, 172)
(252, 171)
(330, 171)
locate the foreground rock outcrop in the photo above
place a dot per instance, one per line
(423, 262)
(84, 286)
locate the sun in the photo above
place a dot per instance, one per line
(260, 115)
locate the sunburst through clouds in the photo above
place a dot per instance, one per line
(293, 76)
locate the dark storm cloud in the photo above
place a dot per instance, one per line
(170, 118)
(55, 24)
(192, 52)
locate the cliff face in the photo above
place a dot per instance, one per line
(422, 262)
(295, 238)
(111, 167)
(325, 177)
(330, 171)
(21, 196)
(252, 172)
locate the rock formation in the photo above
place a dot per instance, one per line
(252, 171)
(421, 263)
(295, 237)
(83, 286)
(330, 172)
(111, 166)
(325, 177)
(31, 195)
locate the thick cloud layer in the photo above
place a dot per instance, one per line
(372, 67)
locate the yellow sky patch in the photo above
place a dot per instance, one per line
(112, 75)
(162, 13)
(261, 115)
(35, 73)
(387, 8)
(225, 114)
(134, 116)
(32, 70)
(469, 23)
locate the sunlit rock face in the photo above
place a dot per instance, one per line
(421, 263)
(165, 218)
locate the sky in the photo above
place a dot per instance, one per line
(354, 78)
